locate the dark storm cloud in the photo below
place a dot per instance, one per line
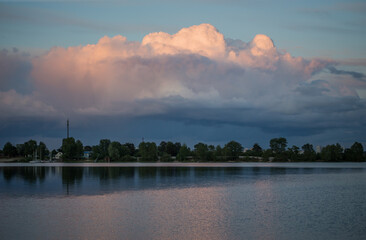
(15, 68)
(357, 75)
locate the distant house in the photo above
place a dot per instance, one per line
(318, 149)
(58, 156)
(87, 154)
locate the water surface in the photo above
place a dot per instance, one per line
(176, 202)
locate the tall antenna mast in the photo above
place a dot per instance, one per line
(67, 128)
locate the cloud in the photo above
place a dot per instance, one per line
(195, 63)
(195, 75)
(17, 105)
(202, 39)
(357, 75)
(15, 68)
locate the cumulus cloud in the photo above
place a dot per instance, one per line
(193, 75)
(17, 105)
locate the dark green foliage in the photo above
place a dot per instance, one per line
(115, 151)
(308, 152)
(211, 156)
(21, 149)
(233, 150)
(95, 154)
(169, 147)
(125, 151)
(54, 152)
(148, 151)
(219, 153)
(100, 151)
(30, 148)
(257, 150)
(103, 147)
(166, 157)
(9, 150)
(68, 148)
(355, 153)
(293, 153)
(332, 153)
(184, 152)
(131, 148)
(87, 148)
(267, 154)
(42, 151)
(71, 150)
(201, 151)
(128, 158)
(167, 151)
(278, 145)
(162, 148)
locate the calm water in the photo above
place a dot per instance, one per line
(309, 201)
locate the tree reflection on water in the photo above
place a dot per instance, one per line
(101, 180)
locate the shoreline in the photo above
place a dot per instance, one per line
(195, 164)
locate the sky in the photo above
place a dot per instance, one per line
(186, 71)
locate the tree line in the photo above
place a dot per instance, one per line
(108, 150)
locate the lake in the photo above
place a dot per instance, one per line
(183, 201)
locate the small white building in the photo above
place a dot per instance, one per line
(318, 149)
(58, 156)
(87, 154)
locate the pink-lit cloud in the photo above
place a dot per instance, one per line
(196, 63)
(194, 74)
(14, 104)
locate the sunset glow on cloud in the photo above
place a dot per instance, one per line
(195, 64)
(195, 74)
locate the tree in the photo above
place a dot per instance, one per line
(218, 152)
(68, 148)
(268, 154)
(79, 149)
(20, 149)
(162, 147)
(165, 157)
(114, 151)
(177, 147)
(211, 153)
(125, 151)
(355, 153)
(95, 154)
(278, 145)
(332, 153)
(72, 149)
(308, 152)
(131, 147)
(294, 153)
(87, 148)
(9, 150)
(101, 151)
(148, 151)
(30, 147)
(103, 147)
(233, 150)
(171, 149)
(54, 152)
(184, 152)
(42, 150)
(257, 150)
(200, 151)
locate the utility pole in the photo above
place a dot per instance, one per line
(68, 128)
